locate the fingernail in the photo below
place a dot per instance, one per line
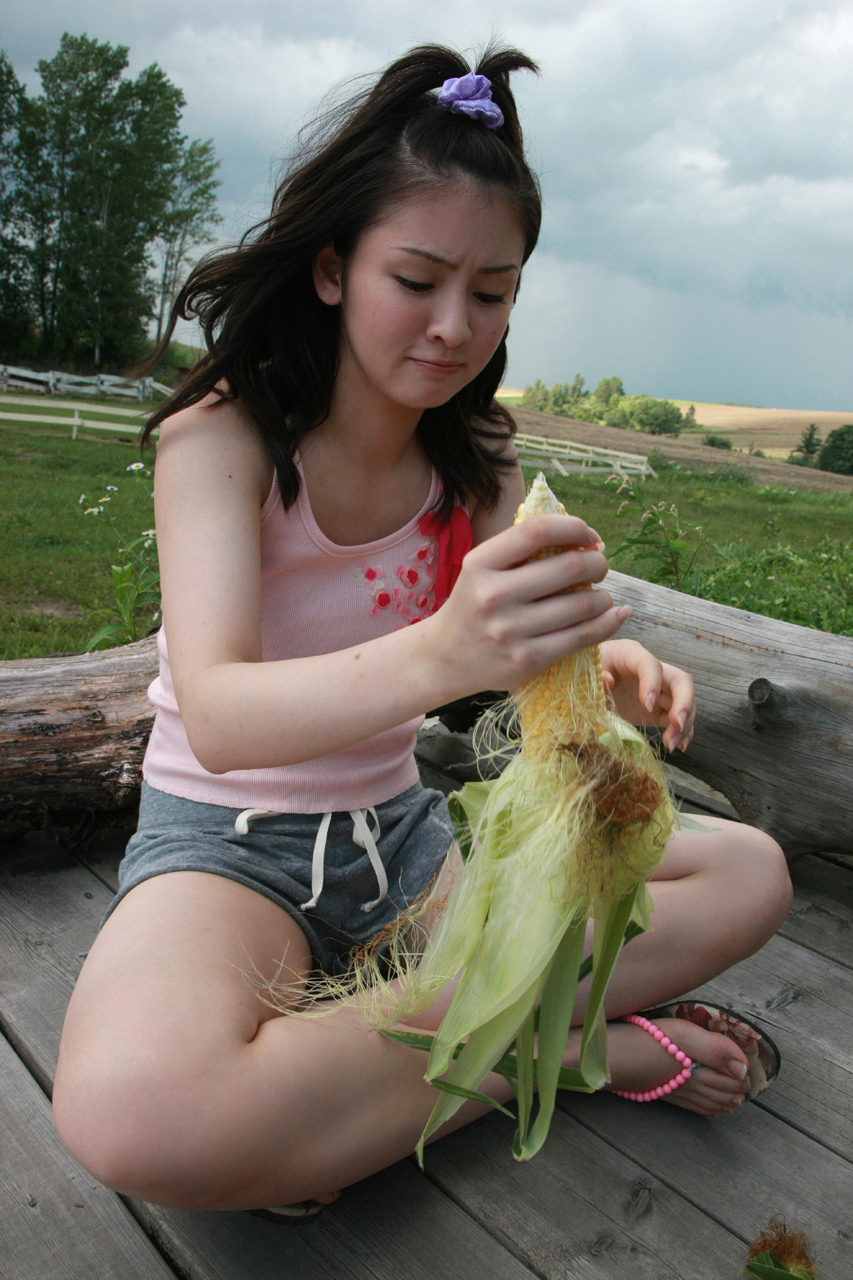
(599, 546)
(682, 746)
(624, 612)
(737, 1069)
(682, 720)
(650, 703)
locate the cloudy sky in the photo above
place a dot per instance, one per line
(696, 160)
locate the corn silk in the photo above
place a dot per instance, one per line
(569, 831)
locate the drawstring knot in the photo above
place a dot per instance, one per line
(361, 835)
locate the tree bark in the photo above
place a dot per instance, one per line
(73, 729)
(774, 729)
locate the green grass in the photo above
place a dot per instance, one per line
(55, 568)
(727, 510)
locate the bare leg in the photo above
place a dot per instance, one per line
(177, 1084)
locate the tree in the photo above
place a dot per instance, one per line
(607, 389)
(101, 174)
(658, 417)
(806, 452)
(836, 453)
(188, 222)
(14, 309)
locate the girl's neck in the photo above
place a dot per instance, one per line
(365, 425)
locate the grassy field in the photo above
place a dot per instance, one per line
(55, 568)
(56, 561)
(726, 510)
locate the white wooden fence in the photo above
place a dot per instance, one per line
(567, 457)
(73, 417)
(563, 456)
(57, 383)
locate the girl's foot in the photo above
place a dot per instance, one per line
(638, 1063)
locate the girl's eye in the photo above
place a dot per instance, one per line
(490, 297)
(416, 286)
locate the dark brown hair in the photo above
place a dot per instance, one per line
(268, 335)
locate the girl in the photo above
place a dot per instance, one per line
(320, 476)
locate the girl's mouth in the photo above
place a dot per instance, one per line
(445, 367)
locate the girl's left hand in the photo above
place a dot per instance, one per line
(648, 692)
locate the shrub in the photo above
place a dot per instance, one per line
(813, 591)
(715, 441)
(658, 417)
(836, 452)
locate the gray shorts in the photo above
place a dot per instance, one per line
(275, 858)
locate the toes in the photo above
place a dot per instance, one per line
(717, 1080)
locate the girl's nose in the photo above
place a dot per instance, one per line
(449, 323)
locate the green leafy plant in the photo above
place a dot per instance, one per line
(135, 579)
(814, 590)
(665, 544)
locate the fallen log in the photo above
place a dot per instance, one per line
(774, 731)
(774, 725)
(73, 729)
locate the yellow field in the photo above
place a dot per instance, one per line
(775, 431)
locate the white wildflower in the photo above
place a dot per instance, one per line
(91, 511)
(82, 498)
(112, 488)
(148, 533)
(135, 466)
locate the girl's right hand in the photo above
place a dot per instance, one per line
(507, 619)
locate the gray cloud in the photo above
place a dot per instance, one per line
(696, 161)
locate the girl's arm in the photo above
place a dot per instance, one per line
(502, 623)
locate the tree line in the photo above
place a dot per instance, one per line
(608, 403)
(103, 202)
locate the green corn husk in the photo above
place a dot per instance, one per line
(570, 831)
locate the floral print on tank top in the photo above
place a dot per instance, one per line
(425, 581)
(411, 593)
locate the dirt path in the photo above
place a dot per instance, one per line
(686, 449)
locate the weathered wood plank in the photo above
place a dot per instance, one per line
(394, 1224)
(55, 1221)
(742, 1169)
(822, 914)
(580, 1208)
(806, 1003)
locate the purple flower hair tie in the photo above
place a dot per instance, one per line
(471, 94)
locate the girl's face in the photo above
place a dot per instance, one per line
(426, 295)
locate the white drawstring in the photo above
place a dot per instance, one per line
(241, 826)
(318, 863)
(361, 835)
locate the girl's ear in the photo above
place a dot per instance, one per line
(328, 274)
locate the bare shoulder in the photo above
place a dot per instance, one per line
(211, 441)
(484, 523)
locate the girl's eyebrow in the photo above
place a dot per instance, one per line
(445, 262)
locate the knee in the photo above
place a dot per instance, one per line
(770, 890)
(140, 1133)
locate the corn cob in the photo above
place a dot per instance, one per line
(570, 830)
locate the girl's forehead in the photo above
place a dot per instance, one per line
(452, 220)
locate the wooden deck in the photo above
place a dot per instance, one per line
(620, 1191)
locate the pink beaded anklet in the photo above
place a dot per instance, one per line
(651, 1095)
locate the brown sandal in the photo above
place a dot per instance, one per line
(762, 1054)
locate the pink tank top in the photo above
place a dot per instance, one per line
(316, 598)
